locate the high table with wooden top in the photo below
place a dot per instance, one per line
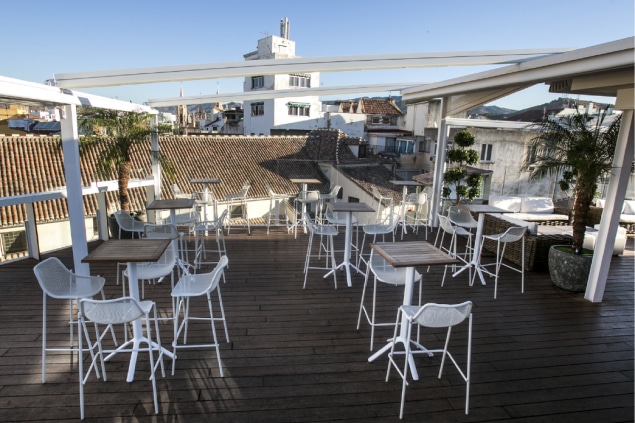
(132, 251)
(480, 210)
(207, 190)
(304, 183)
(409, 255)
(349, 209)
(173, 205)
(405, 185)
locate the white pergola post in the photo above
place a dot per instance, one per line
(155, 154)
(74, 200)
(31, 232)
(102, 215)
(439, 162)
(622, 160)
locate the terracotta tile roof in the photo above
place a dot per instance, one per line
(35, 164)
(379, 106)
(373, 174)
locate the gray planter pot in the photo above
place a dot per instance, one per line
(569, 271)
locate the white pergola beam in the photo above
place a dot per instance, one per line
(92, 100)
(618, 54)
(295, 65)
(25, 92)
(268, 94)
(463, 102)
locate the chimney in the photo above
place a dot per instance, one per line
(285, 27)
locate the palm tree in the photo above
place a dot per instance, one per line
(578, 149)
(115, 134)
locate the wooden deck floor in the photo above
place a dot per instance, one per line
(295, 355)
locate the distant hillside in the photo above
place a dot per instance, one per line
(490, 111)
(538, 112)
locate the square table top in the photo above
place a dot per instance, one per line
(343, 206)
(312, 181)
(205, 181)
(482, 208)
(176, 203)
(412, 253)
(128, 250)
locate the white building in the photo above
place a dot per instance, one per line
(301, 113)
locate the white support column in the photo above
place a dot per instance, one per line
(439, 163)
(33, 244)
(102, 216)
(155, 154)
(156, 169)
(74, 200)
(623, 158)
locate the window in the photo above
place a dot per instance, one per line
(405, 146)
(298, 109)
(381, 120)
(300, 80)
(353, 199)
(257, 109)
(257, 82)
(486, 152)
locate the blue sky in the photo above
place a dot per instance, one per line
(43, 38)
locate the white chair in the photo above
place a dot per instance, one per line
(238, 199)
(302, 202)
(129, 224)
(446, 227)
(385, 273)
(276, 203)
(176, 191)
(155, 272)
(462, 218)
(188, 287)
(203, 200)
(324, 198)
(111, 312)
(200, 232)
(169, 231)
(513, 234)
(328, 231)
(384, 228)
(432, 315)
(416, 212)
(60, 283)
(383, 201)
(186, 223)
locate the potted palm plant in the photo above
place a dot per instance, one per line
(578, 149)
(113, 135)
